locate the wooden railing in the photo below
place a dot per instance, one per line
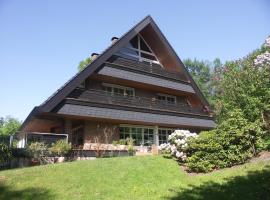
(146, 67)
(99, 96)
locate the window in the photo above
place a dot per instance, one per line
(118, 90)
(148, 136)
(139, 49)
(163, 135)
(168, 99)
(141, 135)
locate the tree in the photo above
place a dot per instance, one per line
(83, 64)
(9, 125)
(201, 73)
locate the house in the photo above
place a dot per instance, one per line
(138, 87)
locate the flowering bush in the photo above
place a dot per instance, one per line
(177, 143)
(267, 42)
(262, 59)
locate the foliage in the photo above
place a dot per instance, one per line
(38, 151)
(177, 144)
(83, 64)
(233, 142)
(5, 153)
(130, 144)
(60, 148)
(243, 84)
(241, 95)
(122, 142)
(9, 125)
(201, 73)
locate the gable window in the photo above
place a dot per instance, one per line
(139, 49)
(118, 90)
(167, 99)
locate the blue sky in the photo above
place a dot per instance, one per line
(42, 42)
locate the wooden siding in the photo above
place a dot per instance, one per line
(147, 68)
(151, 103)
(137, 77)
(126, 115)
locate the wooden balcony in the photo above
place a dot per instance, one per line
(146, 68)
(102, 97)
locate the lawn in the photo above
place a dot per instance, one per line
(149, 177)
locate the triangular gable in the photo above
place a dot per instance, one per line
(60, 94)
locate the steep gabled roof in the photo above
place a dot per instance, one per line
(70, 85)
(61, 93)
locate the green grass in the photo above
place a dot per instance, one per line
(149, 177)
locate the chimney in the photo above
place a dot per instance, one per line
(94, 56)
(114, 39)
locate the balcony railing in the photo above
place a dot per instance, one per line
(99, 96)
(153, 68)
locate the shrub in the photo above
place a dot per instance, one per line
(115, 143)
(122, 142)
(130, 143)
(60, 148)
(5, 153)
(177, 144)
(233, 142)
(38, 151)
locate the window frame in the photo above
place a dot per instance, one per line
(114, 86)
(142, 142)
(166, 100)
(140, 51)
(167, 134)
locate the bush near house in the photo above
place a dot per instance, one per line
(60, 148)
(5, 154)
(241, 98)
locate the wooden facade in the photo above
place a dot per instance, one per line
(137, 87)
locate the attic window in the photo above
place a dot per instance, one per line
(139, 49)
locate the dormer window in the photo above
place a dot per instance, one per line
(139, 49)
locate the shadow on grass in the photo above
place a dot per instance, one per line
(8, 193)
(255, 185)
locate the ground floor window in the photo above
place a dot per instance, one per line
(141, 135)
(163, 135)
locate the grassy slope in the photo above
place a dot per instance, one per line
(150, 177)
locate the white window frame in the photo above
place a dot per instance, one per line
(119, 87)
(170, 96)
(167, 135)
(138, 126)
(145, 52)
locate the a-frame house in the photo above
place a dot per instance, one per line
(138, 87)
